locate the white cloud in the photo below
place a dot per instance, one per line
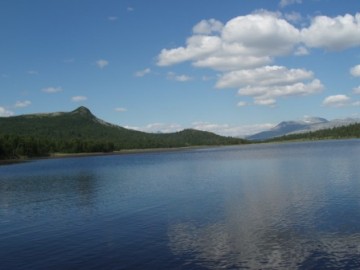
(78, 98)
(261, 34)
(197, 46)
(270, 92)
(267, 83)
(284, 3)
(245, 41)
(52, 89)
(232, 62)
(130, 9)
(263, 76)
(336, 33)
(208, 27)
(120, 109)
(336, 101)
(244, 48)
(102, 63)
(255, 39)
(355, 71)
(179, 78)
(142, 73)
(5, 113)
(22, 104)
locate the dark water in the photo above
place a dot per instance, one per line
(289, 206)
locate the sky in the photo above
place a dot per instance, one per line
(233, 67)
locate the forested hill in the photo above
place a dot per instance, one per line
(80, 131)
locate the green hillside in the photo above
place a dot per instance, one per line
(80, 131)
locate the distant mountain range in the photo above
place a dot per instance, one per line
(303, 126)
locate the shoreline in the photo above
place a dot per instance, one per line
(121, 152)
(152, 150)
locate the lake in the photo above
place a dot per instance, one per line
(264, 206)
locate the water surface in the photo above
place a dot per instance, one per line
(270, 206)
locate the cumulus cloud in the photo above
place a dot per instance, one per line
(142, 73)
(22, 104)
(208, 27)
(78, 98)
(263, 76)
(198, 46)
(336, 101)
(5, 113)
(244, 48)
(260, 36)
(120, 109)
(245, 41)
(355, 71)
(52, 89)
(101, 63)
(266, 83)
(336, 33)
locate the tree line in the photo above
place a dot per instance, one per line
(15, 147)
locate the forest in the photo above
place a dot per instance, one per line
(79, 131)
(20, 146)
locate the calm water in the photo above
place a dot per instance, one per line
(288, 206)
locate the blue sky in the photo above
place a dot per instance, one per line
(233, 67)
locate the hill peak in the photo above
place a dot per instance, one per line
(82, 111)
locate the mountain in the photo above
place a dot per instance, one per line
(81, 131)
(303, 126)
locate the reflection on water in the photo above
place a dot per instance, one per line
(288, 206)
(300, 212)
(214, 247)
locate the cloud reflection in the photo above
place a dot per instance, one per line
(276, 220)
